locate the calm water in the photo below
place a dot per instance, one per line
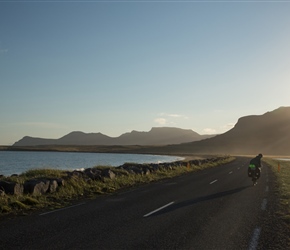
(17, 162)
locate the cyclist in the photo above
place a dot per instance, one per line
(254, 169)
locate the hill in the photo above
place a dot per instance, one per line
(268, 133)
(156, 136)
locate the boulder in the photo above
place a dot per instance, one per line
(154, 167)
(146, 170)
(108, 174)
(195, 162)
(36, 187)
(93, 174)
(53, 185)
(11, 187)
(60, 182)
(134, 170)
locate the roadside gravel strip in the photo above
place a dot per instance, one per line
(274, 234)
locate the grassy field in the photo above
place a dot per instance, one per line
(79, 188)
(282, 171)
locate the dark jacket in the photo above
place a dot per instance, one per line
(256, 161)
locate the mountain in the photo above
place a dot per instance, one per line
(267, 134)
(160, 136)
(156, 136)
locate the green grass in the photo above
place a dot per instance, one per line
(283, 183)
(80, 188)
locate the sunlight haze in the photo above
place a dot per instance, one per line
(117, 66)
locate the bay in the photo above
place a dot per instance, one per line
(17, 162)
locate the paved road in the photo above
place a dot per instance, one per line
(213, 209)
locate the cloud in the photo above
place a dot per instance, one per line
(160, 121)
(229, 125)
(221, 129)
(177, 116)
(209, 131)
(169, 119)
(173, 115)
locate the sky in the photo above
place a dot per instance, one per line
(117, 66)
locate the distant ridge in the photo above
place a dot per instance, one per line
(268, 134)
(156, 136)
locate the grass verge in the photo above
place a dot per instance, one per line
(79, 188)
(281, 170)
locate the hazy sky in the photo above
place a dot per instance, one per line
(117, 66)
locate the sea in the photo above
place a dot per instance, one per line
(18, 162)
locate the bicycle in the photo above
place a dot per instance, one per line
(255, 174)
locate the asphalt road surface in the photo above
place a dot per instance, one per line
(216, 208)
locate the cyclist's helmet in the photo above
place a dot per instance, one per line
(260, 155)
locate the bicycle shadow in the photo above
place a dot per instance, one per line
(195, 201)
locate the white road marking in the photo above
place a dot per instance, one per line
(231, 172)
(158, 209)
(255, 238)
(62, 209)
(264, 204)
(213, 182)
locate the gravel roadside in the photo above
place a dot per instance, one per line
(275, 232)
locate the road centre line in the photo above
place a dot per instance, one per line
(213, 182)
(231, 172)
(255, 238)
(62, 209)
(264, 204)
(158, 209)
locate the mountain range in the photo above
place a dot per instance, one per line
(268, 134)
(156, 136)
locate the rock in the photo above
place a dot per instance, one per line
(76, 174)
(108, 174)
(36, 187)
(93, 174)
(134, 170)
(195, 162)
(53, 185)
(11, 187)
(146, 170)
(60, 182)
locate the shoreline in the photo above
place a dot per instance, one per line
(19, 162)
